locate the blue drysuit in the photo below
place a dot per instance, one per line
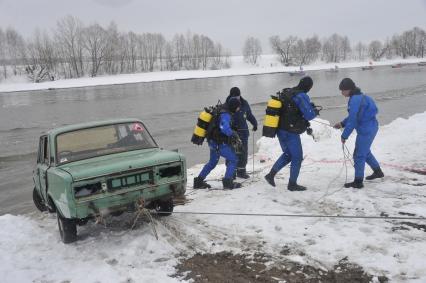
(222, 149)
(290, 142)
(362, 117)
(240, 123)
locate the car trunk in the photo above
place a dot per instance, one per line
(118, 163)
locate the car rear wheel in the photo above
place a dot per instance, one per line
(67, 229)
(165, 207)
(38, 202)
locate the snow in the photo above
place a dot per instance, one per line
(31, 250)
(267, 64)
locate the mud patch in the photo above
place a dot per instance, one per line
(406, 213)
(414, 225)
(421, 172)
(228, 267)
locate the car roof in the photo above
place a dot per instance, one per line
(73, 127)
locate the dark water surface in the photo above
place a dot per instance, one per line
(170, 109)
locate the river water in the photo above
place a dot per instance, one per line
(170, 109)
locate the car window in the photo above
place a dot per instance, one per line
(43, 151)
(40, 150)
(102, 140)
(46, 150)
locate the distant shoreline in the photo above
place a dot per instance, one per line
(268, 65)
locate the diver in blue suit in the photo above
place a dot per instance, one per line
(219, 141)
(240, 121)
(296, 111)
(362, 117)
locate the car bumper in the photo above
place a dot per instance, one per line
(126, 200)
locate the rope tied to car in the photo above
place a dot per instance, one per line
(142, 210)
(384, 217)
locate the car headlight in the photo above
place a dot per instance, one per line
(87, 190)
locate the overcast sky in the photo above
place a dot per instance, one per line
(226, 21)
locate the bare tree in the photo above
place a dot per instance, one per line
(133, 52)
(95, 42)
(387, 49)
(161, 43)
(179, 49)
(305, 51)
(375, 50)
(332, 48)
(217, 56)
(15, 48)
(170, 62)
(361, 51)
(298, 53)
(196, 58)
(398, 46)
(345, 47)
(422, 44)
(76, 50)
(206, 50)
(283, 48)
(252, 50)
(3, 52)
(112, 50)
(419, 41)
(226, 59)
(42, 58)
(313, 47)
(409, 43)
(123, 45)
(189, 53)
(69, 37)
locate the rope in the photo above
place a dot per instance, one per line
(328, 125)
(335, 178)
(141, 209)
(346, 157)
(296, 215)
(252, 157)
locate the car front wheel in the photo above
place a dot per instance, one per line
(67, 229)
(38, 202)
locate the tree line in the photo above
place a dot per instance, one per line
(74, 50)
(293, 50)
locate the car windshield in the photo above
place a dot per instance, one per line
(102, 140)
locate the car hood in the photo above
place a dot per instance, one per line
(120, 162)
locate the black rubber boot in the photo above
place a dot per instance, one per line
(241, 173)
(199, 183)
(270, 177)
(292, 186)
(357, 184)
(229, 184)
(378, 173)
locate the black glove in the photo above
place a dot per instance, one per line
(236, 142)
(235, 135)
(254, 128)
(309, 131)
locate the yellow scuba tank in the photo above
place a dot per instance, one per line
(200, 129)
(272, 117)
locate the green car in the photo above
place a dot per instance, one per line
(95, 169)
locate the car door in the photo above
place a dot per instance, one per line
(36, 171)
(43, 164)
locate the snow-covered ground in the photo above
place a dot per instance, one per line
(266, 64)
(31, 250)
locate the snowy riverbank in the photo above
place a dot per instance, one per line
(31, 250)
(267, 64)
